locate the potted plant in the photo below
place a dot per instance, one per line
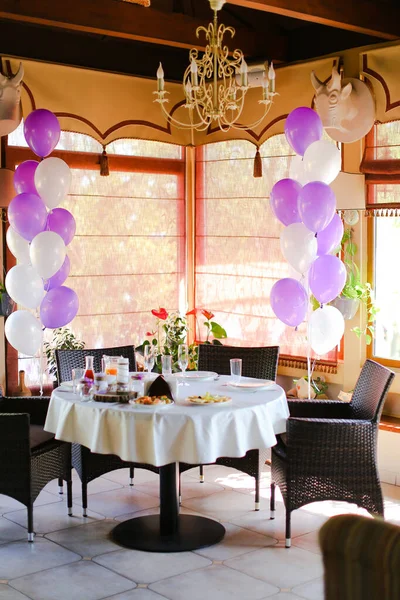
(355, 291)
(171, 331)
(6, 303)
(63, 339)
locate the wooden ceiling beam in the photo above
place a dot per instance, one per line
(130, 21)
(361, 16)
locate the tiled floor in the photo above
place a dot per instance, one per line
(73, 558)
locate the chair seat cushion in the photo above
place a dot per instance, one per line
(39, 437)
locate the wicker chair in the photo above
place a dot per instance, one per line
(261, 363)
(30, 456)
(90, 465)
(330, 448)
(361, 558)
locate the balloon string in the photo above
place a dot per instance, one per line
(308, 341)
(41, 373)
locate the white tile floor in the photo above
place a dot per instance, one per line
(74, 557)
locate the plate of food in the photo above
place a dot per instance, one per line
(207, 399)
(151, 401)
(250, 385)
(197, 375)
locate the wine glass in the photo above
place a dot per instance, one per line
(183, 359)
(149, 358)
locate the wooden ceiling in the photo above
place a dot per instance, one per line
(127, 38)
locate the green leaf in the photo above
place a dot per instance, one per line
(218, 331)
(217, 342)
(357, 331)
(368, 339)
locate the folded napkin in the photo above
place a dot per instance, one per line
(159, 387)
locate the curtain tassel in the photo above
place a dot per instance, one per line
(104, 169)
(257, 164)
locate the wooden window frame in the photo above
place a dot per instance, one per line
(371, 179)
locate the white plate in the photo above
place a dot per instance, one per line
(250, 385)
(197, 375)
(67, 385)
(146, 407)
(194, 403)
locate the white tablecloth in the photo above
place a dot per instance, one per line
(176, 433)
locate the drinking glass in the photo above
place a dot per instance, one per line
(236, 369)
(183, 359)
(166, 364)
(149, 357)
(77, 374)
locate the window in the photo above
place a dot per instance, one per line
(238, 256)
(128, 254)
(382, 167)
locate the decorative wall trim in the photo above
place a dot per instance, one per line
(301, 363)
(389, 104)
(382, 212)
(253, 134)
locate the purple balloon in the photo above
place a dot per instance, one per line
(24, 177)
(303, 127)
(289, 301)
(327, 278)
(42, 131)
(329, 238)
(59, 278)
(283, 200)
(27, 214)
(62, 222)
(58, 307)
(317, 205)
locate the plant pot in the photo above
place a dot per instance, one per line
(6, 305)
(347, 306)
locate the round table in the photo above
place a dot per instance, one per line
(164, 436)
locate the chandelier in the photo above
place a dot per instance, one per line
(216, 83)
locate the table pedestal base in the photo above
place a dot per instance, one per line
(143, 533)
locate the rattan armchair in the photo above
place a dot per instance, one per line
(90, 465)
(330, 449)
(361, 558)
(30, 456)
(261, 363)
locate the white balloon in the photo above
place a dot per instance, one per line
(25, 286)
(52, 180)
(18, 246)
(296, 170)
(47, 253)
(322, 161)
(24, 332)
(326, 328)
(299, 246)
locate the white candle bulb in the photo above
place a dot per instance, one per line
(193, 66)
(193, 72)
(160, 78)
(271, 72)
(188, 90)
(271, 77)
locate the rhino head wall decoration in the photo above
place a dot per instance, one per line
(10, 101)
(346, 108)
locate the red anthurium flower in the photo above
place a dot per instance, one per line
(208, 314)
(191, 312)
(161, 313)
(151, 333)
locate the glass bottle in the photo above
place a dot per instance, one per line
(89, 371)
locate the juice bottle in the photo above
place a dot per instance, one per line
(89, 371)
